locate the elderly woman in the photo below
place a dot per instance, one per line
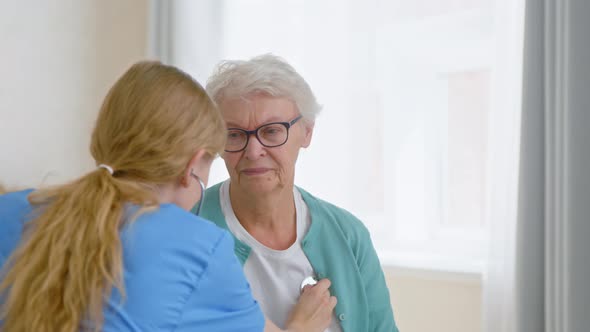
(283, 234)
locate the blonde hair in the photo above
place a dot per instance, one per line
(152, 122)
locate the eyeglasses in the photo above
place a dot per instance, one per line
(269, 135)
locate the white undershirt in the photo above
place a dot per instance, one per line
(275, 276)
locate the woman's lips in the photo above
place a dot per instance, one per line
(255, 171)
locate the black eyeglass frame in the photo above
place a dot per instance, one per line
(254, 132)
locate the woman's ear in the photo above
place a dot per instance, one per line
(308, 133)
(199, 165)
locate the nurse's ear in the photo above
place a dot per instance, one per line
(199, 165)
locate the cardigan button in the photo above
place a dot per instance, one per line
(341, 317)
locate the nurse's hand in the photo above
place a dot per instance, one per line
(313, 311)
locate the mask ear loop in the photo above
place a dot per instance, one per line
(202, 185)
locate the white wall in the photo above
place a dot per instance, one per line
(427, 301)
(58, 59)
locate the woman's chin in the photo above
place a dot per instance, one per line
(259, 185)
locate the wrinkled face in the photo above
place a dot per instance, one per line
(259, 169)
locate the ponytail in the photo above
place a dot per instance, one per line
(151, 123)
(70, 257)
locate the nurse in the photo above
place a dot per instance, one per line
(117, 249)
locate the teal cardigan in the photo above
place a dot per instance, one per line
(339, 248)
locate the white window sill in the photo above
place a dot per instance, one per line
(432, 267)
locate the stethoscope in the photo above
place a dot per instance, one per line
(202, 186)
(308, 281)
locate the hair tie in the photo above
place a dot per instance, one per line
(107, 167)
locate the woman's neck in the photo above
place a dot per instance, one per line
(269, 218)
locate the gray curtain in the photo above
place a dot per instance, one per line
(185, 33)
(160, 39)
(553, 236)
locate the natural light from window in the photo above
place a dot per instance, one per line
(409, 90)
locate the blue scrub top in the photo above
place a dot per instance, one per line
(180, 272)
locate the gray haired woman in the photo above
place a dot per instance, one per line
(284, 236)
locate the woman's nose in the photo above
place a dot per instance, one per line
(254, 149)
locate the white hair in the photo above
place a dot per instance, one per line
(267, 74)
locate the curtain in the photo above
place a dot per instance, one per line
(503, 171)
(552, 268)
(186, 34)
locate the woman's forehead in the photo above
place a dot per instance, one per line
(259, 108)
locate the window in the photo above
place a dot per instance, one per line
(415, 81)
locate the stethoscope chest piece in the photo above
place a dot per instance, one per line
(308, 281)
